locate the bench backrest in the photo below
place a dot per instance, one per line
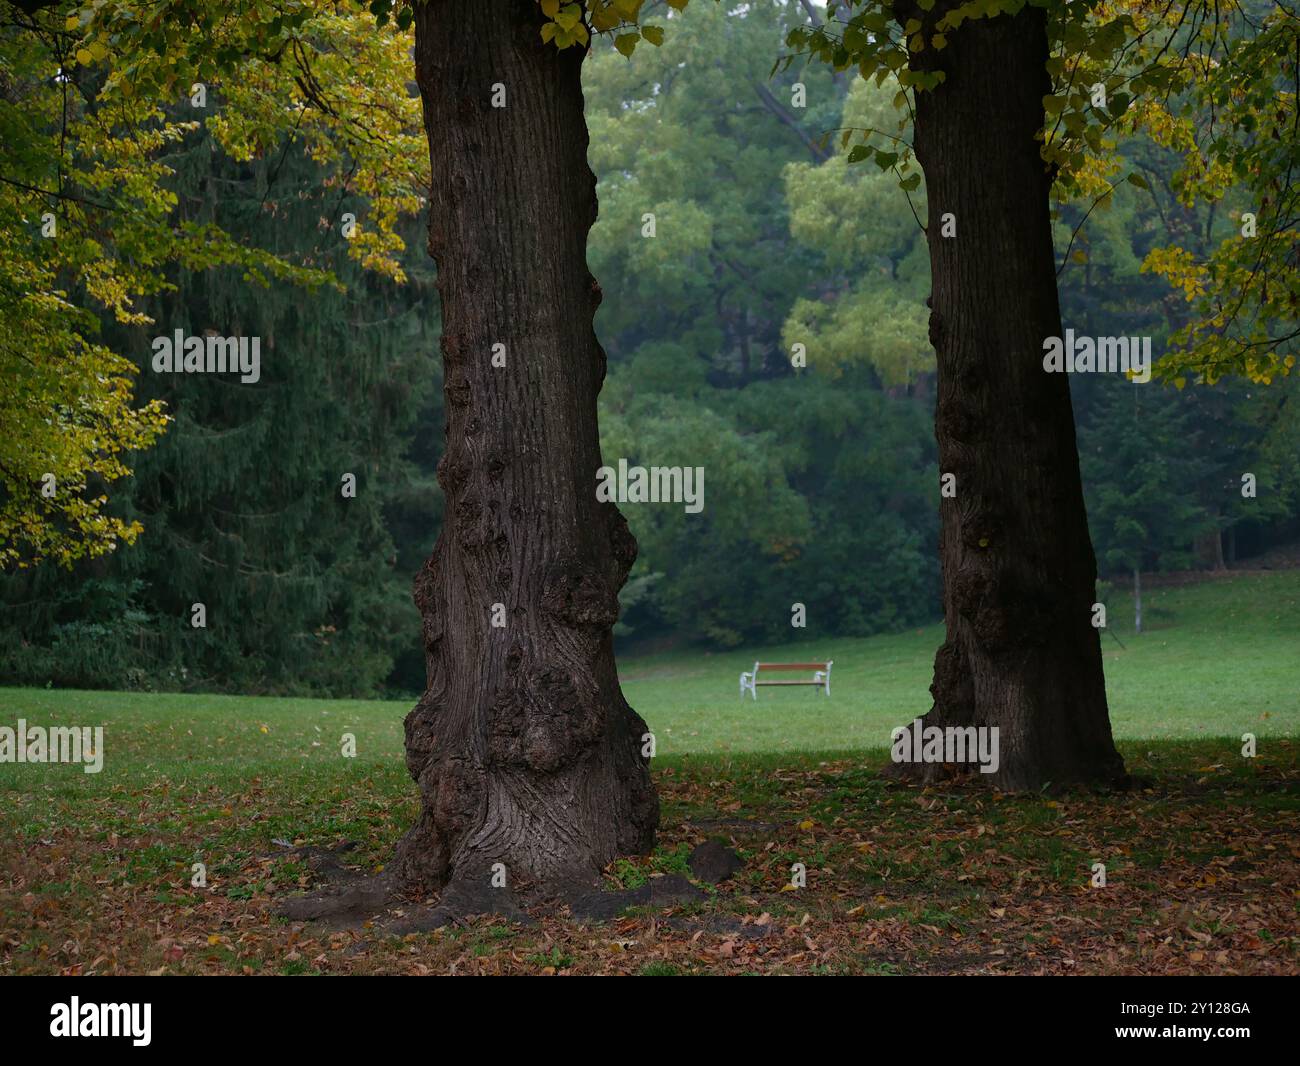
(791, 666)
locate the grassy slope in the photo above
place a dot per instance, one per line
(898, 882)
(1218, 658)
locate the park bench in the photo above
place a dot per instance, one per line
(750, 679)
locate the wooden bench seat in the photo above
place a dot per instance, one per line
(751, 679)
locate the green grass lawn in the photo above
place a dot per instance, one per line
(1218, 659)
(95, 876)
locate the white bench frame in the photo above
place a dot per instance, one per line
(749, 681)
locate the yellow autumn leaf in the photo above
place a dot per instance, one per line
(604, 18)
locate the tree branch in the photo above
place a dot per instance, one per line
(774, 105)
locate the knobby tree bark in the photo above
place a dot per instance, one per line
(524, 749)
(1019, 573)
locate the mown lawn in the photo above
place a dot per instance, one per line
(1203, 868)
(1218, 658)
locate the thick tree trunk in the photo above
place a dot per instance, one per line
(524, 749)
(1019, 572)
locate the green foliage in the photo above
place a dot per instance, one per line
(820, 481)
(869, 303)
(819, 489)
(570, 24)
(1218, 86)
(95, 99)
(241, 503)
(1140, 460)
(1240, 148)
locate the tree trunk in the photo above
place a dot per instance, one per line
(1137, 599)
(524, 749)
(1019, 572)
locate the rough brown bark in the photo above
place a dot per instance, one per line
(1019, 572)
(524, 749)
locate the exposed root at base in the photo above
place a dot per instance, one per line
(349, 899)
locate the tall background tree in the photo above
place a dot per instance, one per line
(1009, 99)
(236, 207)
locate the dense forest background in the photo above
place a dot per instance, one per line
(821, 482)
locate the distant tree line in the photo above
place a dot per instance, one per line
(770, 251)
